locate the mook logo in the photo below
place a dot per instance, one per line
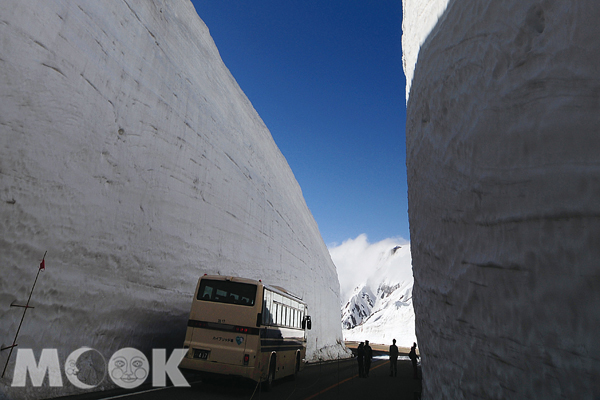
(86, 368)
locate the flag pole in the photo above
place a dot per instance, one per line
(42, 266)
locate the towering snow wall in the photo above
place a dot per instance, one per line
(503, 145)
(131, 155)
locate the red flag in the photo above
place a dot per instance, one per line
(43, 265)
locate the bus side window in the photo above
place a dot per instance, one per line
(267, 317)
(278, 314)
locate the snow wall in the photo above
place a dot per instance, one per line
(131, 155)
(503, 145)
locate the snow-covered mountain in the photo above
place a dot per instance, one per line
(129, 153)
(381, 309)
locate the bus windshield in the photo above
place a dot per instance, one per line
(227, 292)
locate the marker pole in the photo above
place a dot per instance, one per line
(42, 264)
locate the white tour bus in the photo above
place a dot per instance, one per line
(244, 328)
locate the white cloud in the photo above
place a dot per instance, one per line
(357, 260)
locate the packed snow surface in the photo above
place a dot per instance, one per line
(130, 154)
(503, 165)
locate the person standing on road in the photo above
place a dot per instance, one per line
(360, 352)
(394, 359)
(413, 357)
(368, 357)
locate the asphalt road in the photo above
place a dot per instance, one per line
(331, 380)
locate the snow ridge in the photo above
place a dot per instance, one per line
(358, 308)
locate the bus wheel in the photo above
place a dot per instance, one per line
(268, 384)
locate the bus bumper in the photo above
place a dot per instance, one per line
(217, 368)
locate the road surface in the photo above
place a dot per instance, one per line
(328, 380)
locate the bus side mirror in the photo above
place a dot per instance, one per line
(258, 319)
(306, 323)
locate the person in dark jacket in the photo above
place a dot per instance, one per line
(368, 358)
(413, 357)
(360, 352)
(394, 359)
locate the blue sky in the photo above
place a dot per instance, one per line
(326, 78)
